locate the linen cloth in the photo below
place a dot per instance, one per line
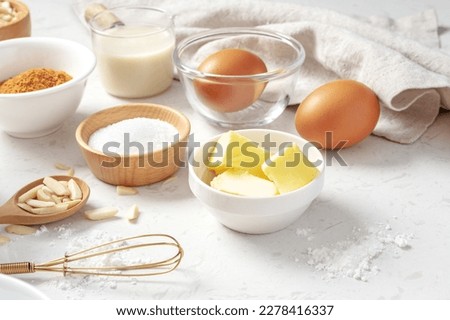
(399, 60)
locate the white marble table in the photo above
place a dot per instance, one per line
(350, 244)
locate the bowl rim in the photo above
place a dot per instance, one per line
(199, 181)
(90, 60)
(166, 27)
(266, 76)
(85, 144)
(23, 8)
(24, 287)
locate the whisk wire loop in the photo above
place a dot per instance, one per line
(62, 265)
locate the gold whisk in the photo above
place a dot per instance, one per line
(161, 266)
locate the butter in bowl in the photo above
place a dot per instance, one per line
(259, 181)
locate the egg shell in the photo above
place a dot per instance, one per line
(338, 114)
(230, 94)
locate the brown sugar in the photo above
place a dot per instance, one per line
(33, 80)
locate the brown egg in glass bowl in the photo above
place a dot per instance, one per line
(239, 77)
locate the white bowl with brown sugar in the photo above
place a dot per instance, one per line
(42, 83)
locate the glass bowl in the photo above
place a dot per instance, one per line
(282, 55)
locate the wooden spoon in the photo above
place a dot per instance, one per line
(11, 213)
(105, 21)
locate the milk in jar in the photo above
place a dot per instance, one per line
(135, 61)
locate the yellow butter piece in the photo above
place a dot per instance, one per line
(289, 169)
(243, 183)
(235, 151)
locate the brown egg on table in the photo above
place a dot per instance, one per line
(230, 94)
(338, 114)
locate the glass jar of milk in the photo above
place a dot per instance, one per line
(134, 48)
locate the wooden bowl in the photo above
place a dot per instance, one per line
(19, 28)
(135, 169)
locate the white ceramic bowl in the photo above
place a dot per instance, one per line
(15, 289)
(252, 214)
(38, 113)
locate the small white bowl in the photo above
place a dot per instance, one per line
(255, 215)
(38, 113)
(15, 289)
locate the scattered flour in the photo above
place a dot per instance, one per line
(303, 232)
(306, 233)
(355, 256)
(64, 231)
(401, 241)
(42, 229)
(74, 286)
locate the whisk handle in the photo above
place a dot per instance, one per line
(17, 267)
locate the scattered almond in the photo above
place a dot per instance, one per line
(101, 213)
(25, 206)
(29, 194)
(70, 172)
(133, 212)
(61, 166)
(47, 190)
(19, 229)
(57, 199)
(4, 239)
(40, 204)
(49, 210)
(169, 180)
(55, 186)
(43, 196)
(74, 190)
(126, 191)
(51, 197)
(71, 203)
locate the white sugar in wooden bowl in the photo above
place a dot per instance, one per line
(149, 164)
